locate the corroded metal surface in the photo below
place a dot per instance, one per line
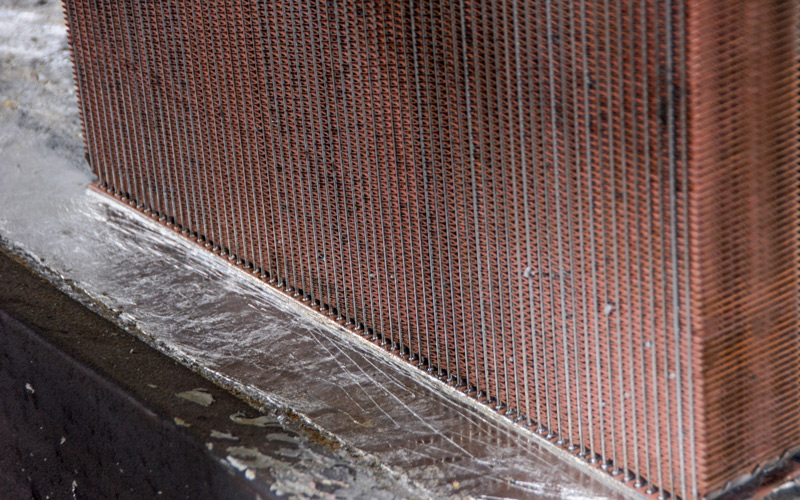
(721, 104)
(222, 323)
(581, 214)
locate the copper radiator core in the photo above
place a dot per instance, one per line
(584, 213)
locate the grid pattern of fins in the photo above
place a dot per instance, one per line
(583, 213)
(745, 163)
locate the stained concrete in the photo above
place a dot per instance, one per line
(89, 411)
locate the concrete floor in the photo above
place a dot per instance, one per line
(37, 96)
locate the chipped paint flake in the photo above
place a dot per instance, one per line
(235, 462)
(181, 422)
(223, 435)
(262, 421)
(198, 396)
(248, 458)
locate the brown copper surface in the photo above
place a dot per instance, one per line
(583, 213)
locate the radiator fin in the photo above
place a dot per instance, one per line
(583, 213)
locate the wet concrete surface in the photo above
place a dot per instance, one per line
(89, 411)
